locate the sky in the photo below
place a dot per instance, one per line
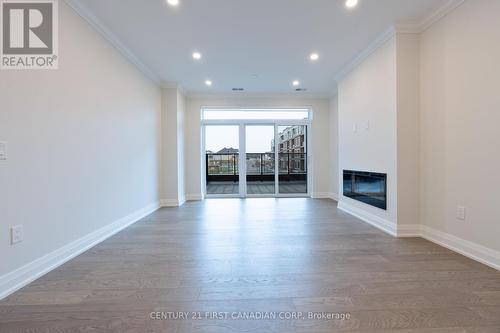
(258, 138)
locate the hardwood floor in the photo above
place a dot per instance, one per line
(264, 257)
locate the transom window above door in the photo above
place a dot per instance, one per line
(256, 114)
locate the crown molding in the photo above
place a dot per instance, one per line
(439, 14)
(169, 85)
(417, 27)
(358, 59)
(91, 19)
(174, 85)
(409, 27)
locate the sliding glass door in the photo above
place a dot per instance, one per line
(248, 155)
(260, 160)
(292, 159)
(222, 160)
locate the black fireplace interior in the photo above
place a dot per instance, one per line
(367, 187)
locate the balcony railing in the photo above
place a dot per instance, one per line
(260, 166)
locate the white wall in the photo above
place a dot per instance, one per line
(432, 100)
(181, 181)
(408, 128)
(173, 182)
(83, 145)
(460, 117)
(334, 145)
(368, 94)
(320, 136)
(169, 144)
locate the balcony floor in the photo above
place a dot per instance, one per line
(258, 187)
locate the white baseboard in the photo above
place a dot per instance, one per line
(325, 195)
(13, 281)
(194, 197)
(369, 218)
(320, 195)
(409, 230)
(172, 202)
(469, 249)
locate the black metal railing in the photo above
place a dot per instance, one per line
(260, 166)
(222, 164)
(260, 163)
(222, 167)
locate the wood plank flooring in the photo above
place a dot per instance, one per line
(257, 187)
(259, 258)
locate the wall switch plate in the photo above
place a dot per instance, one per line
(367, 125)
(355, 128)
(461, 213)
(3, 150)
(16, 234)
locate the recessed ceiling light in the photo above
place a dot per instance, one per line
(296, 83)
(173, 2)
(196, 55)
(208, 83)
(351, 3)
(314, 56)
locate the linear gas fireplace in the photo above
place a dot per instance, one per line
(367, 187)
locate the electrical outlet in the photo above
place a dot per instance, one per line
(16, 234)
(461, 213)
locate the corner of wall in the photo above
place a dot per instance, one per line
(334, 145)
(173, 151)
(408, 128)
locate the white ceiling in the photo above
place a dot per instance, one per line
(259, 45)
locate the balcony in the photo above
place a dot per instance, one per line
(222, 173)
